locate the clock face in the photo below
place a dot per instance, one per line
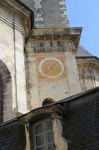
(51, 67)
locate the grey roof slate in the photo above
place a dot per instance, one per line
(79, 95)
(81, 52)
(28, 3)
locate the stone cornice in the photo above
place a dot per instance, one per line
(15, 7)
(42, 112)
(11, 23)
(88, 60)
(15, 10)
(88, 57)
(70, 34)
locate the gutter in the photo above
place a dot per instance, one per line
(84, 57)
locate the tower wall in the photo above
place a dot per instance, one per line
(41, 84)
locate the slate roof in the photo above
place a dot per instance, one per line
(81, 52)
(79, 95)
(28, 3)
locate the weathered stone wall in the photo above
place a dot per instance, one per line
(88, 73)
(12, 55)
(96, 73)
(57, 89)
(72, 70)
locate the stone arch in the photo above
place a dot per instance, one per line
(47, 101)
(5, 93)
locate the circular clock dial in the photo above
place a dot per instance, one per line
(51, 67)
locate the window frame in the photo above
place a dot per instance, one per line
(45, 134)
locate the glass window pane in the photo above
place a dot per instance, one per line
(39, 129)
(49, 124)
(39, 140)
(43, 135)
(51, 146)
(50, 137)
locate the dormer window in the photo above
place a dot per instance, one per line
(43, 128)
(43, 137)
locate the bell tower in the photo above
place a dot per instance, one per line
(51, 69)
(41, 63)
(51, 65)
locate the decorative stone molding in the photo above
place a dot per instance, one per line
(70, 36)
(12, 24)
(15, 16)
(15, 7)
(42, 112)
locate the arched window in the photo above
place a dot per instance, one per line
(6, 111)
(42, 135)
(47, 101)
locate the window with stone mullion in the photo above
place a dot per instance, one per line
(43, 135)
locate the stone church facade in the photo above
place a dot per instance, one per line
(26, 53)
(41, 64)
(13, 20)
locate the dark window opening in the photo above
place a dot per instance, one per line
(51, 44)
(59, 44)
(47, 101)
(5, 92)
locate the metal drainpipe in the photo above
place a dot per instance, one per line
(16, 109)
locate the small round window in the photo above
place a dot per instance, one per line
(47, 101)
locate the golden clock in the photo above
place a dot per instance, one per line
(50, 66)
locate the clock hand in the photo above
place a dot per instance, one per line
(50, 67)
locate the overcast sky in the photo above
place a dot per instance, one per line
(85, 13)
